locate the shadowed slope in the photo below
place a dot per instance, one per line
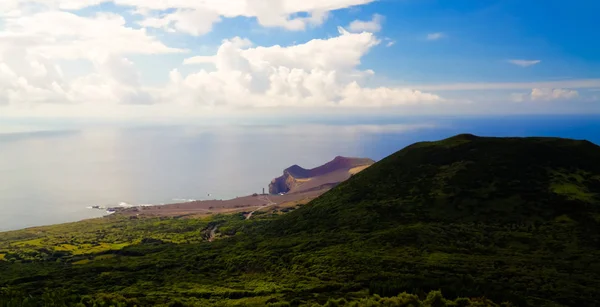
(516, 218)
(466, 179)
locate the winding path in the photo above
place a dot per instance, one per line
(213, 231)
(269, 204)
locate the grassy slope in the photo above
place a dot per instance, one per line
(472, 215)
(511, 219)
(466, 179)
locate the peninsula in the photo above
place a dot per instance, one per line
(296, 186)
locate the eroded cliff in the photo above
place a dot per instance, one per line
(298, 179)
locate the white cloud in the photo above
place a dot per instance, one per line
(194, 22)
(39, 38)
(33, 48)
(269, 13)
(32, 5)
(546, 94)
(308, 74)
(315, 54)
(197, 17)
(373, 25)
(553, 94)
(389, 42)
(482, 86)
(355, 95)
(435, 36)
(55, 62)
(273, 13)
(64, 35)
(524, 63)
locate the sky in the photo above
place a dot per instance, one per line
(176, 59)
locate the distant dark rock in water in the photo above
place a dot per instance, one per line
(298, 179)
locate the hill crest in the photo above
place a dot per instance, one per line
(469, 178)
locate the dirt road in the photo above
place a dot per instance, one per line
(269, 204)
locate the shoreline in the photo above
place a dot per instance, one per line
(303, 189)
(195, 209)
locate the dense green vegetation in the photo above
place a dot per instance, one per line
(76, 242)
(62, 298)
(513, 220)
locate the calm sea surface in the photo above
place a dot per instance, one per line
(49, 177)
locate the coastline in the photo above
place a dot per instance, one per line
(193, 208)
(296, 186)
(244, 204)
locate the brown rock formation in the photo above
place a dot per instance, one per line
(296, 179)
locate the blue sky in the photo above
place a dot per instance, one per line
(146, 59)
(478, 39)
(481, 35)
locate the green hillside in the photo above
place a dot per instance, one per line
(466, 179)
(510, 219)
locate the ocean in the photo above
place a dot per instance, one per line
(56, 175)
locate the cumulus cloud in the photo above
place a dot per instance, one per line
(197, 17)
(435, 36)
(315, 54)
(34, 47)
(14, 6)
(307, 74)
(41, 41)
(243, 75)
(546, 94)
(524, 63)
(373, 25)
(194, 22)
(64, 35)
